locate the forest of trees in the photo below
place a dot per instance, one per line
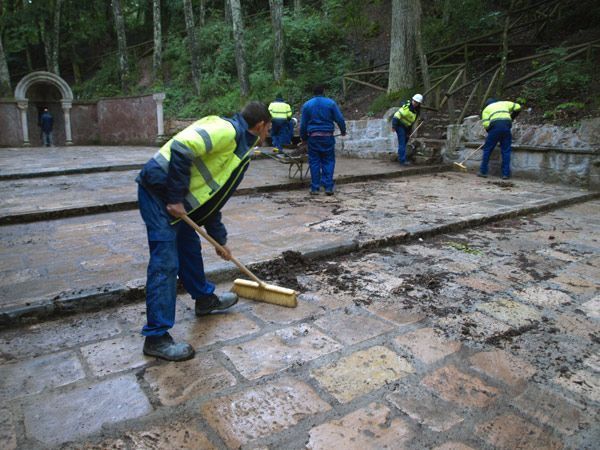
(213, 54)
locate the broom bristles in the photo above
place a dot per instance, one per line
(461, 166)
(267, 293)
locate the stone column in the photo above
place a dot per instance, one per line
(159, 98)
(66, 107)
(22, 105)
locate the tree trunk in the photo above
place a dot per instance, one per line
(297, 7)
(202, 13)
(192, 43)
(157, 55)
(228, 12)
(277, 20)
(55, 38)
(419, 47)
(240, 53)
(504, 55)
(122, 45)
(446, 8)
(5, 88)
(402, 46)
(50, 37)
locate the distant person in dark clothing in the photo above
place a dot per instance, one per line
(316, 127)
(46, 123)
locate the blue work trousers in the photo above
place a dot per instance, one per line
(402, 134)
(495, 135)
(321, 160)
(174, 251)
(281, 132)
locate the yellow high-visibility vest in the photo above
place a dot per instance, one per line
(211, 145)
(498, 111)
(405, 115)
(280, 110)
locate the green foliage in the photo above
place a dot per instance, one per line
(562, 80)
(563, 110)
(467, 18)
(464, 248)
(386, 101)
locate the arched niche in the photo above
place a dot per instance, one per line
(66, 100)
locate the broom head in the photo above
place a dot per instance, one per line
(267, 293)
(461, 166)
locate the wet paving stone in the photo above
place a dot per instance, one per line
(378, 366)
(511, 312)
(552, 410)
(458, 387)
(279, 350)
(427, 345)
(64, 416)
(581, 382)
(350, 328)
(544, 297)
(37, 374)
(372, 427)
(115, 355)
(261, 411)
(453, 446)
(503, 367)
(179, 382)
(511, 432)
(208, 330)
(8, 434)
(424, 408)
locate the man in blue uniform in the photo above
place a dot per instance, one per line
(46, 123)
(496, 118)
(402, 122)
(316, 127)
(282, 127)
(194, 173)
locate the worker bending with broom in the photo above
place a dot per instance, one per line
(194, 173)
(496, 118)
(402, 122)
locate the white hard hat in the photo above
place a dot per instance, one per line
(418, 98)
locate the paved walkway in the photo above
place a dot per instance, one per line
(31, 199)
(481, 339)
(88, 261)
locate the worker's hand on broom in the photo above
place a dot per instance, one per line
(176, 209)
(224, 252)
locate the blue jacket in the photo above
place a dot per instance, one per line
(46, 122)
(162, 184)
(319, 114)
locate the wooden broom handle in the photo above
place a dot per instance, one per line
(218, 246)
(472, 153)
(415, 130)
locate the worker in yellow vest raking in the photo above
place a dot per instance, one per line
(402, 122)
(194, 173)
(282, 127)
(496, 118)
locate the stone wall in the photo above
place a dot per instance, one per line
(127, 120)
(110, 121)
(549, 153)
(11, 134)
(84, 123)
(371, 138)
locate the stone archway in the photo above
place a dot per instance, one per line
(23, 102)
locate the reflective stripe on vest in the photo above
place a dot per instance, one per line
(211, 145)
(498, 111)
(280, 110)
(405, 115)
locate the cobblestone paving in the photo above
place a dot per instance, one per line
(41, 262)
(481, 339)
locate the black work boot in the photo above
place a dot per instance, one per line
(213, 302)
(165, 347)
